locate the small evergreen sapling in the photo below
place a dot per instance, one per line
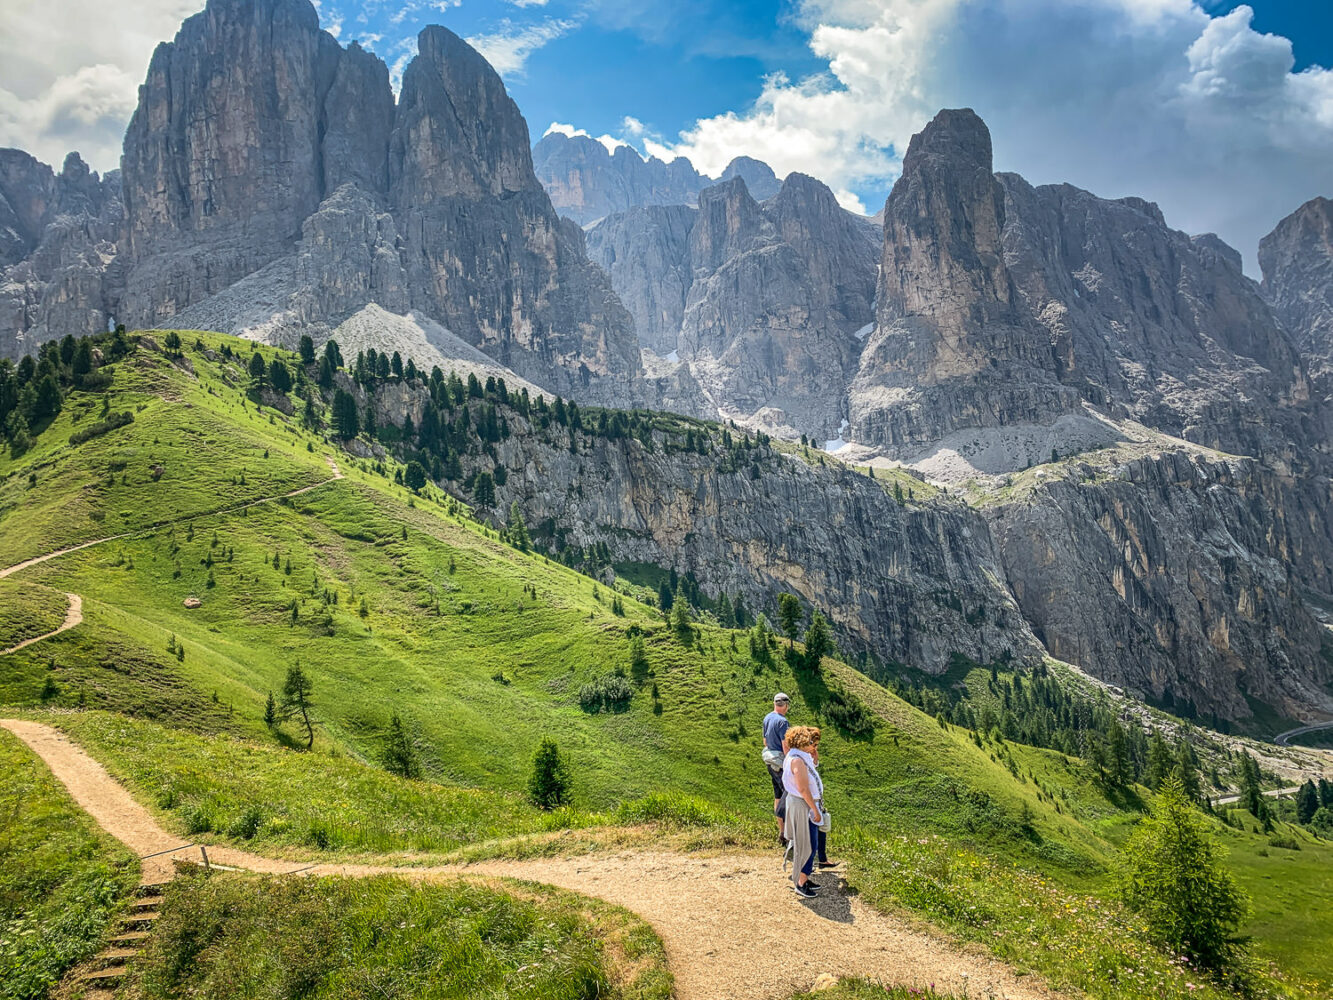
(549, 785)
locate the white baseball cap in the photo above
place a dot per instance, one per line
(780, 697)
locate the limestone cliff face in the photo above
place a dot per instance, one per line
(272, 186)
(915, 582)
(1297, 262)
(1173, 577)
(58, 246)
(763, 300)
(1001, 303)
(586, 182)
(647, 254)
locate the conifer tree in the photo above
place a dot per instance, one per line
(549, 785)
(400, 755)
(297, 701)
(518, 529)
(789, 617)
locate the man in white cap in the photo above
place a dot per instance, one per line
(775, 728)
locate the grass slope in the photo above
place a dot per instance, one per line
(61, 879)
(403, 604)
(289, 938)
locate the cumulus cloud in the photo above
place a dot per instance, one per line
(1148, 97)
(70, 70)
(508, 49)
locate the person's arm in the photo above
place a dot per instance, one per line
(802, 779)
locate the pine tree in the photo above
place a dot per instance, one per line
(549, 785)
(1186, 771)
(725, 616)
(414, 477)
(257, 368)
(1175, 875)
(1307, 803)
(306, 349)
(345, 420)
(518, 529)
(1159, 761)
(664, 597)
(297, 701)
(789, 617)
(270, 712)
(279, 376)
(818, 642)
(400, 756)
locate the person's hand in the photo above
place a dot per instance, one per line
(815, 816)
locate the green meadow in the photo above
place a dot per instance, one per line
(399, 604)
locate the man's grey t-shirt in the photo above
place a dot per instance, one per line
(775, 727)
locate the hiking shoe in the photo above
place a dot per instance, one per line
(812, 884)
(805, 892)
(828, 864)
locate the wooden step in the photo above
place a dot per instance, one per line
(115, 972)
(147, 902)
(141, 921)
(116, 955)
(130, 937)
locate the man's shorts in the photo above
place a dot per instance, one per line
(778, 790)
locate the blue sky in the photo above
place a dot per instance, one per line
(1220, 112)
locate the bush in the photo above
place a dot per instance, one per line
(246, 825)
(1175, 876)
(848, 713)
(1286, 843)
(101, 427)
(610, 693)
(197, 819)
(549, 785)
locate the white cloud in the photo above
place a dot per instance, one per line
(508, 49)
(70, 70)
(1148, 97)
(528, 3)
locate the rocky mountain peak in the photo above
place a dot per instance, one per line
(729, 219)
(457, 130)
(1297, 263)
(943, 258)
(758, 176)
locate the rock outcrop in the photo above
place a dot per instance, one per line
(1297, 262)
(1001, 303)
(58, 247)
(586, 182)
(763, 300)
(1173, 576)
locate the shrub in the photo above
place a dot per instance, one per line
(197, 819)
(101, 427)
(1287, 843)
(848, 713)
(246, 825)
(549, 785)
(1175, 876)
(610, 693)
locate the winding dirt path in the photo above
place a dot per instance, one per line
(36, 560)
(731, 926)
(73, 616)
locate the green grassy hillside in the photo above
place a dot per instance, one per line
(401, 604)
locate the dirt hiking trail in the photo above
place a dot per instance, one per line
(732, 928)
(73, 616)
(335, 474)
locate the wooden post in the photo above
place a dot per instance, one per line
(204, 852)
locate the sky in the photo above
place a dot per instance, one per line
(1220, 112)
